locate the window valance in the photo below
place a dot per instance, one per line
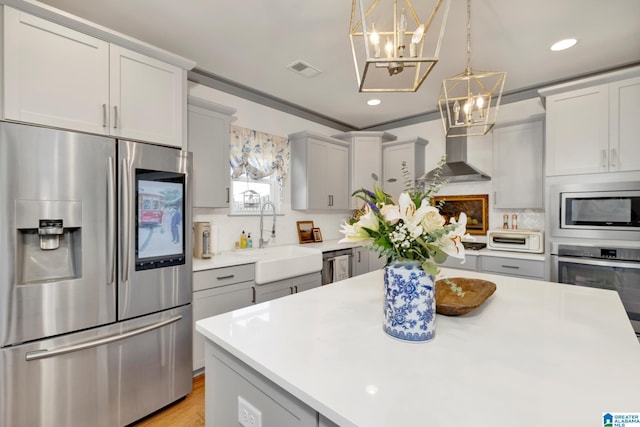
(258, 154)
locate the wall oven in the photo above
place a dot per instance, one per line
(614, 268)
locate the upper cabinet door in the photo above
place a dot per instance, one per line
(54, 76)
(410, 152)
(517, 166)
(316, 182)
(578, 131)
(147, 97)
(624, 150)
(338, 177)
(319, 172)
(208, 132)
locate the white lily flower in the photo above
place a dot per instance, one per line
(451, 243)
(356, 232)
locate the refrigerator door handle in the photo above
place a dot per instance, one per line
(126, 219)
(43, 354)
(111, 221)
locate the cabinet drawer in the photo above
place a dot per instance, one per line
(471, 263)
(513, 267)
(223, 276)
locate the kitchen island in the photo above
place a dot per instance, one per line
(535, 353)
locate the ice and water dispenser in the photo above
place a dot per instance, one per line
(49, 243)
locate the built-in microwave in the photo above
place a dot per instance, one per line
(597, 211)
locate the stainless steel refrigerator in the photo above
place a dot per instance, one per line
(95, 278)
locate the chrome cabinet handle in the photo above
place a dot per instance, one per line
(104, 115)
(515, 267)
(604, 158)
(613, 157)
(228, 195)
(225, 277)
(115, 117)
(43, 354)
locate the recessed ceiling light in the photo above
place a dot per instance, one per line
(373, 102)
(563, 44)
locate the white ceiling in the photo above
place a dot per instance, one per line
(251, 43)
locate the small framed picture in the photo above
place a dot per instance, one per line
(305, 231)
(317, 235)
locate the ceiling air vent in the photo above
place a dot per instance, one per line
(304, 68)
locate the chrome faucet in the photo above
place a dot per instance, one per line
(273, 227)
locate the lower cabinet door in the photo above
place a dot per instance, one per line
(306, 282)
(273, 290)
(210, 302)
(234, 390)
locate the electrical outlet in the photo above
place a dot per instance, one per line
(248, 415)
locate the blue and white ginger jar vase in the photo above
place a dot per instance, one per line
(409, 302)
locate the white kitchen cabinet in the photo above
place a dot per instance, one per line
(393, 155)
(624, 109)
(56, 76)
(471, 262)
(147, 98)
(281, 288)
(319, 172)
(366, 158)
(528, 268)
(360, 260)
(505, 265)
(518, 165)
(578, 131)
(376, 262)
(591, 129)
(230, 385)
(208, 136)
(53, 75)
(218, 291)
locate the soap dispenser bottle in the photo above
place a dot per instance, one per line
(243, 240)
(249, 241)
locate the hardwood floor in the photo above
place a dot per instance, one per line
(188, 412)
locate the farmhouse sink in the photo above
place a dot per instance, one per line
(282, 262)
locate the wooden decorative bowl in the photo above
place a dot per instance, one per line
(476, 291)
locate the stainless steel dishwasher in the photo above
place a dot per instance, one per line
(328, 264)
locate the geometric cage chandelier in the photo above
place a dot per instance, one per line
(395, 44)
(466, 99)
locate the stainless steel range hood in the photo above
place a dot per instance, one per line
(456, 169)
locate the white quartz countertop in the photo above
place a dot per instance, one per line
(536, 353)
(244, 256)
(248, 256)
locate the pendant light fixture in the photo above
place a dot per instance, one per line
(394, 44)
(466, 99)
